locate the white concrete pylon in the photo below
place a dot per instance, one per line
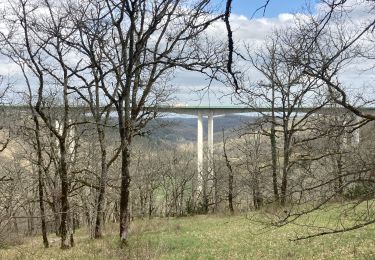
(58, 128)
(344, 135)
(356, 132)
(70, 137)
(200, 149)
(71, 140)
(210, 143)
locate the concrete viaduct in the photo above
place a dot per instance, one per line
(210, 112)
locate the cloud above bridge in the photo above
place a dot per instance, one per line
(359, 77)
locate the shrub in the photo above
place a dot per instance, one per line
(360, 190)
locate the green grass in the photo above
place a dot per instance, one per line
(205, 237)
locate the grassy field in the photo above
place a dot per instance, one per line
(204, 237)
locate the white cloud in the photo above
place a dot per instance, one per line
(254, 32)
(285, 17)
(249, 32)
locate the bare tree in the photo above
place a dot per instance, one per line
(293, 99)
(39, 162)
(44, 58)
(334, 41)
(137, 50)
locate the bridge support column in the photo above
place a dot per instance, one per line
(200, 149)
(59, 129)
(356, 132)
(210, 142)
(70, 137)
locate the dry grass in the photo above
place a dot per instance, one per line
(204, 237)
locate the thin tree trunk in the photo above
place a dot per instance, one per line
(56, 209)
(230, 177)
(284, 182)
(150, 204)
(124, 199)
(42, 211)
(273, 148)
(216, 191)
(205, 195)
(274, 161)
(40, 182)
(257, 197)
(142, 202)
(182, 202)
(66, 234)
(30, 221)
(230, 193)
(98, 233)
(340, 181)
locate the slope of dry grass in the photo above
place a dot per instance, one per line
(204, 237)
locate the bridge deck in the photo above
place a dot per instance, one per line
(207, 110)
(221, 110)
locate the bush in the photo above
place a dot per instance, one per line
(361, 190)
(9, 240)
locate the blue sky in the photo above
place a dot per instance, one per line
(275, 7)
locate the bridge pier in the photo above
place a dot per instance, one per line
(70, 137)
(352, 136)
(200, 148)
(356, 133)
(210, 144)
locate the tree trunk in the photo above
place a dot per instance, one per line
(230, 177)
(230, 193)
(56, 209)
(142, 202)
(40, 183)
(273, 147)
(124, 199)
(205, 196)
(274, 161)
(257, 197)
(150, 204)
(284, 182)
(66, 234)
(42, 210)
(30, 221)
(216, 192)
(98, 232)
(340, 181)
(181, 213)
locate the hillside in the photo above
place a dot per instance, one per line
(204, 237)
(183, 129)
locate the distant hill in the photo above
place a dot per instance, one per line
(180, 129)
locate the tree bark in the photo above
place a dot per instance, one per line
(125, 183)
(257, 197)
(273, 148)
(340, 182)
(230, 193)
(98, 232)
(284, 182)
(230, 177)
(150, 204)
(40, 182)
(66, 234)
